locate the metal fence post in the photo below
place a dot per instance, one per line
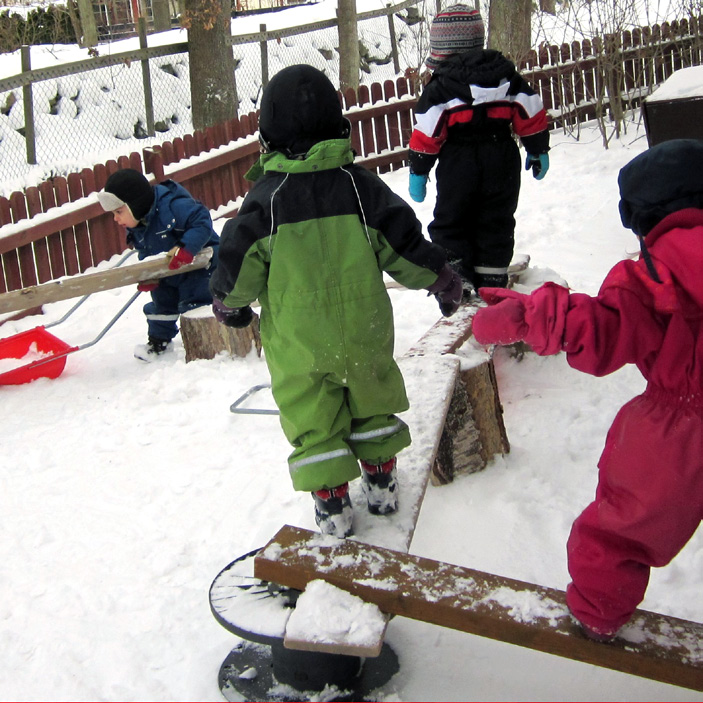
(146, 80)
(29, 133)
(264, 57)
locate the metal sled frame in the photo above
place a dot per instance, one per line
(251, 411)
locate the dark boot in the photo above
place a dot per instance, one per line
(153, 348)
(333, 511)
(380, 485)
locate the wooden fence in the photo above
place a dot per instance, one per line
(58, 228)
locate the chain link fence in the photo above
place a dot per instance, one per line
(58, 119)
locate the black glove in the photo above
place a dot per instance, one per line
(232, 317)
(448, 289)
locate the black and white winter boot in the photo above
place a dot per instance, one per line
(153, 348)
(490, 280)
(380, 484)
(333, 511)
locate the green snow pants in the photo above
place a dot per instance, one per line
(334, 422)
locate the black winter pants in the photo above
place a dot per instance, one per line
(478, 185)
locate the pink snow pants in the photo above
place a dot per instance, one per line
(648, 504)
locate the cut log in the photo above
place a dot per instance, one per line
(651, 645)
(154, 267)
(474, 431)
(204, 337)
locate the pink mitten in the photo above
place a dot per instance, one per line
(503, 322)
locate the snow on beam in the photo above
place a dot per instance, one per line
(651, 645)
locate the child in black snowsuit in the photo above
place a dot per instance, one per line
(471, 109)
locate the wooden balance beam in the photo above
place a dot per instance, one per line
(152, 268)
(651, 646)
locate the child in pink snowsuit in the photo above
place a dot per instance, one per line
(649, 312)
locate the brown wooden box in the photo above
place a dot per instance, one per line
(675, 109)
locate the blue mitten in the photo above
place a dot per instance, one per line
(539, 163)
(418, 187)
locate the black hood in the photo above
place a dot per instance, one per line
(484, 67)
(665, 178)
(299, 108)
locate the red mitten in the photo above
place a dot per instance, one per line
(180, 257)
(147, 286)
(503, 322)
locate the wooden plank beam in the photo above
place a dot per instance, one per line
(652, 646)
(82, 284)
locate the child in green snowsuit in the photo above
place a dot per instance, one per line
(311, 242)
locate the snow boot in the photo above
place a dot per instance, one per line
(380, 484)
(149, 351)
(491, 280)
(333, 511)
(594, 634)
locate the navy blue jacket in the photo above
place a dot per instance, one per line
(175, 219)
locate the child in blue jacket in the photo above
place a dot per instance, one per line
(163, 218)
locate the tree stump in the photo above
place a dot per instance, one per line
(204, 337)
(474, 430)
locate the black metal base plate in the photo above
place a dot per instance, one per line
(247, 673)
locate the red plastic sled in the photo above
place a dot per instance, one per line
(19, 345)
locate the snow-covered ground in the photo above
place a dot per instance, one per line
(126, 487)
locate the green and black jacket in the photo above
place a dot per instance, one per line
(311, 242)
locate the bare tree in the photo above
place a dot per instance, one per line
(348, 45)
(162, 15)
(604, 25)
(510, 27)
(213, 90)
(89, 34)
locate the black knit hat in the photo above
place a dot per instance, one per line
(127, 187)
(299, 108)
(665, 178)
(454, 30)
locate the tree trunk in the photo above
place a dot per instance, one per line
(88, 25)
(162, 15)
(548, 6)
(510, 27)
(348, 45)
(212, 85)
(75, 21)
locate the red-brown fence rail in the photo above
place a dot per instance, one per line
(58, 228)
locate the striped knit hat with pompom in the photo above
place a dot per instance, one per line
(453, 31)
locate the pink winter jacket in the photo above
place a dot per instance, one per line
(633, 319)
(649, 499)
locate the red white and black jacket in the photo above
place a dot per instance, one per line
(472, 96)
